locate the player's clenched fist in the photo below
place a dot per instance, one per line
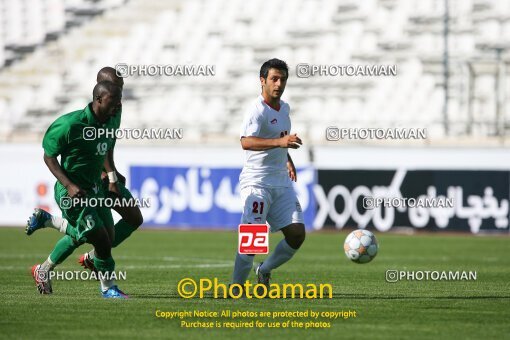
(290, 141)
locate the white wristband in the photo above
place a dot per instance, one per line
(112, 176)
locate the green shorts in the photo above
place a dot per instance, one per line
(83, 219)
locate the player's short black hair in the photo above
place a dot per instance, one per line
(110, 74)
(273, 63)
(104, 87)
(106, 73)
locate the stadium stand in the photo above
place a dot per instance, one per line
(50, 51)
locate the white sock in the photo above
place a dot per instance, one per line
(282, 253)
(48, 264)
(106, 284)
(58, 223)
(242, 267)
(92, 255)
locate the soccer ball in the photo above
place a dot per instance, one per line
(360, 246)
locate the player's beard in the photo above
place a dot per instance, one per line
(277, 94)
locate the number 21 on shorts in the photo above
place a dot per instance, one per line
(253, 239)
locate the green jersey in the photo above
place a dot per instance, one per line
(115, 123)
(76, 137)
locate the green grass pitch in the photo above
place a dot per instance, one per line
(156, 260)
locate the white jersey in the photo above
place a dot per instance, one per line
(266, 168)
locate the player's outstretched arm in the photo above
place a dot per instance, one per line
(259, 144)
(55, 168)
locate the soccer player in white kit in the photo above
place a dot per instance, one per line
(268, 172)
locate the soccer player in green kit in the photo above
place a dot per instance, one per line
(113, 182)
(79, 177)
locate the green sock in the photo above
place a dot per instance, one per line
(64, 247)
(104, 265)
(122, 232)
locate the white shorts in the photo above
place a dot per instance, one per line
(279, 207)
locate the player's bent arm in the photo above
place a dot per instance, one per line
(55, 168)
(109, 164)
(113, 176)
(260, 144)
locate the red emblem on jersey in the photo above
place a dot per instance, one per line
(274, 121)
